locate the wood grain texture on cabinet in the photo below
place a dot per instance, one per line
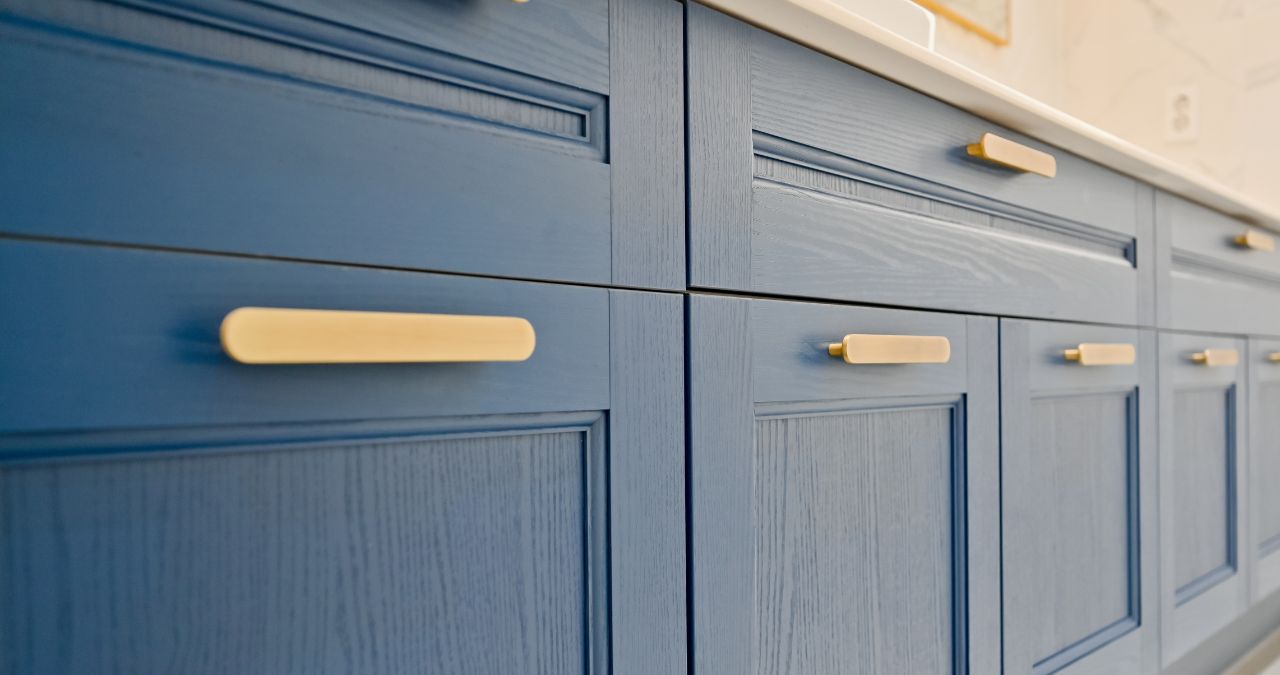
(844, 518)
(473, 552)
(1078, 476)
(1204, 570)
(1264, 464)
(318, 132)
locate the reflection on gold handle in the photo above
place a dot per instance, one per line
(1257, 240)
(262, 335)
(1005, 152)
(1216, 357)
(1097, 354)
(860, 349)
(1274, 357)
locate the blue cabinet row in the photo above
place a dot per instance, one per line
(1069, 468)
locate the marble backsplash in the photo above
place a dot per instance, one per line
(1121, 65)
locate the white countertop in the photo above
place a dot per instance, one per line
(827, 27)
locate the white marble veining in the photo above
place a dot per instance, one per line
(1099, 90)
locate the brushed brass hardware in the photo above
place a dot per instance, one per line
(1099, 354)
(1014, 155)
(1216, 357)
(276, 335)
(860, 349)
(1274, 357)
(1256, 240)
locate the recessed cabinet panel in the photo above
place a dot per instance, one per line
(1264, 464)
(844, 517)
(473, 553)
(1083, 517)
(1203, 456)
(1078, 595)
(1204, 574)
(856, 529)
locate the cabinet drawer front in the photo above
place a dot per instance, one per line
(811, 177)
(843, 515)
(1203, 523)
(1078, 501)
(1216, 283)
(362, 133)
(118, 338)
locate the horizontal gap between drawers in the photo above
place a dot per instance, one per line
(788, 163)
(305, 51)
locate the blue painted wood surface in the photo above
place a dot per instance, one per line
(320, 133)
(830, 501)
(1205, 567)
(1079, 481)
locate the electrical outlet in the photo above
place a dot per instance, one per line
(1182, 114)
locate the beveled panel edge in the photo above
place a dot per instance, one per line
(850, 174)
(262, 41)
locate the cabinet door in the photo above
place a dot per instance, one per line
(421, 518)
(844, 516)
(1264, 463)
(1202, 418)
(1079, 479)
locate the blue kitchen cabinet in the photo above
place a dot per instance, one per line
(540, 140)
(844, 518)
(1264, 464)
(165, 509)
(1204, 554)
(809, 177)
(1079, 486)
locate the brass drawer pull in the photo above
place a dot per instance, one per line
(1216, 357)
(1257, 240)
(860, 349)
(1014, 155)
(273, 335)
(1274, 357)
(1098, 354)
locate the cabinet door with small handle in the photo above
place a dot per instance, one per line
(1264, 463)
(1078, 485)
(843, 477)
(1203, 445)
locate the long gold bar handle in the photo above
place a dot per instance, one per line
(274, 335)
(1099, 354)
(1014, 155)
(1216, 357)
(1256, 240)
(860, 349)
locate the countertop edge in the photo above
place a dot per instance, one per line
(828, 28)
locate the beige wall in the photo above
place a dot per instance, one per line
(1113, 63)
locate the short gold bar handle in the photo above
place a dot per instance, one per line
(1099, 354)
(1274, 357)
(1216, 357)
(1013, 155)
(865, 350)
(1256, 240)
(276, 335)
